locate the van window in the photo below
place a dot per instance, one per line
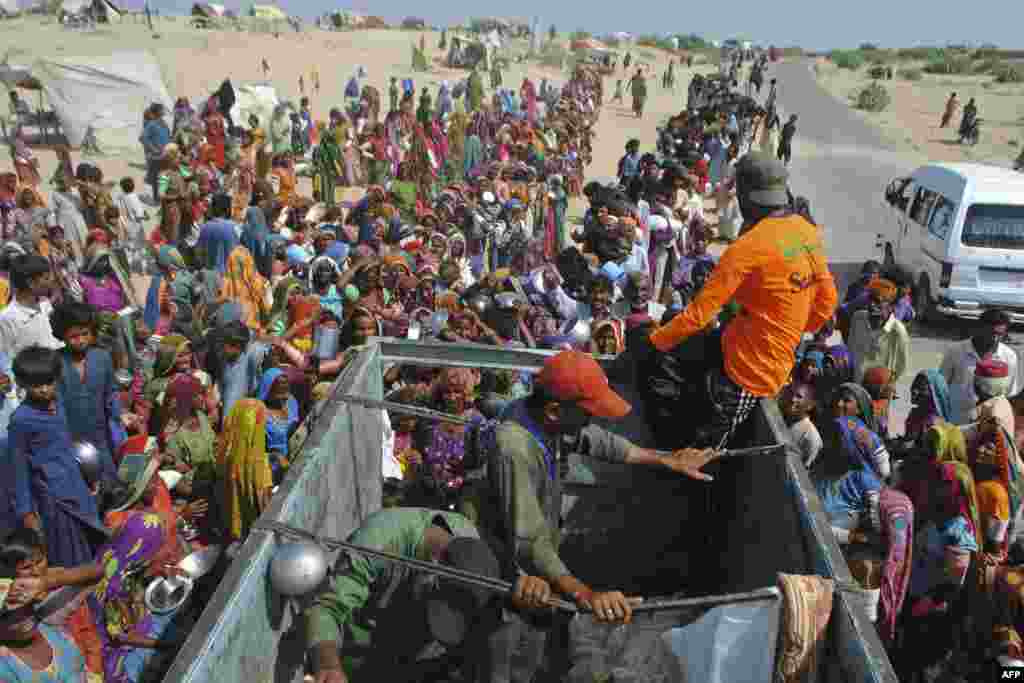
(941, 221)
(923, 201)
(995, 226)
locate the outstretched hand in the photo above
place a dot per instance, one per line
(689, 461)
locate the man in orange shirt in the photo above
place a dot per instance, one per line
(778, 274)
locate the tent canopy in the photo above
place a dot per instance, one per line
(268, 12)
(107, 94)
(254, 98)
(208, 10)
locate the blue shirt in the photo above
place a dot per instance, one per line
(218, 239)
(241, 379)
(155, 136)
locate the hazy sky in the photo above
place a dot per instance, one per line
(815, 24)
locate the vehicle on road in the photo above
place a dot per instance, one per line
(959, 230)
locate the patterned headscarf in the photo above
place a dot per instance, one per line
(947, 443)
(964, 494)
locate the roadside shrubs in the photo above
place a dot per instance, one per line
(847, 59)
(873, 98)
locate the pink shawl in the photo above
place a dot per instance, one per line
(897, 515)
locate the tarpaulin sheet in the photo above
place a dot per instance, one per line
(255, 99)
(105, 93)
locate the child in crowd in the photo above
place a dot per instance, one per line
(797, 404)
(86, 385)
(50, 494)
(133, 218)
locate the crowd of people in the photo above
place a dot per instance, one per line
(189, 393)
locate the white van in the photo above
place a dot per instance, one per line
(958, 229)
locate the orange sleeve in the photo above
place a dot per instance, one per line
(733, 268)
(826, 298)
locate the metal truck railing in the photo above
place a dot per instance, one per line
(762, 517)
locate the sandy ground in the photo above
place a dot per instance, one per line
(912, 119)
(194, 62)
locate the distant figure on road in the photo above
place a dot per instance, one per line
(617, 97)
(627, 61)
(786, 140)
(638, 87)
(952, 104)
(970, 116)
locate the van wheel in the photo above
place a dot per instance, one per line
(924, 307)
(890, 259)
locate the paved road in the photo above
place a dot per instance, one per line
(842, 166)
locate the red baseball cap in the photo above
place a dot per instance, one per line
(574, 376)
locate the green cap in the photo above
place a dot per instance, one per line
(762, 179)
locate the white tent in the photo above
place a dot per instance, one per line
(106, 94)
(9, 7)
(254, 98)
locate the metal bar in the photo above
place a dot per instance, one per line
(760, 595)
(471, 578)
(403, 409)
(441, 354)
(775, 449)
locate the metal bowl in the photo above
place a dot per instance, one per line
(88, 458)
(578, 332)
(124, 379)
(506, 300)
(297, 568)
(201, 562)
(165, 595)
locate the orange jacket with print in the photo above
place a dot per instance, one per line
(778, 274)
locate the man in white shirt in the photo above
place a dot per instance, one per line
(960, 360)
(877, 338)
(26, 320)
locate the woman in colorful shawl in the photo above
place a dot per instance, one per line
(695, 251)
(897, 526)
(852, 401)
(216, 131)
(528, 94)
(243, 285)
(846, 482)
(929, 394)
(942, 555)
(327, 161)
(243, 467)
(140, 490)
(182, 114)
(189, 437)
(25, 164)
(173, 284)
(282, 418)
(259, 146)
(256, 237)
(997, 469)
(174, 357)
(443, 446)
(135, 640)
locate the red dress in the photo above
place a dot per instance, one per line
(216, 134)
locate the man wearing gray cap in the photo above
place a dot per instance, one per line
(778, 274)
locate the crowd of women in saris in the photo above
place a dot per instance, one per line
(929, 521)
(191, 393)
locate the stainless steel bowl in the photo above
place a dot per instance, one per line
(297, 568)
(164, 595)
(579, 332)
(124, 379)
(506, 300)
(88, 458)
(201, 562)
